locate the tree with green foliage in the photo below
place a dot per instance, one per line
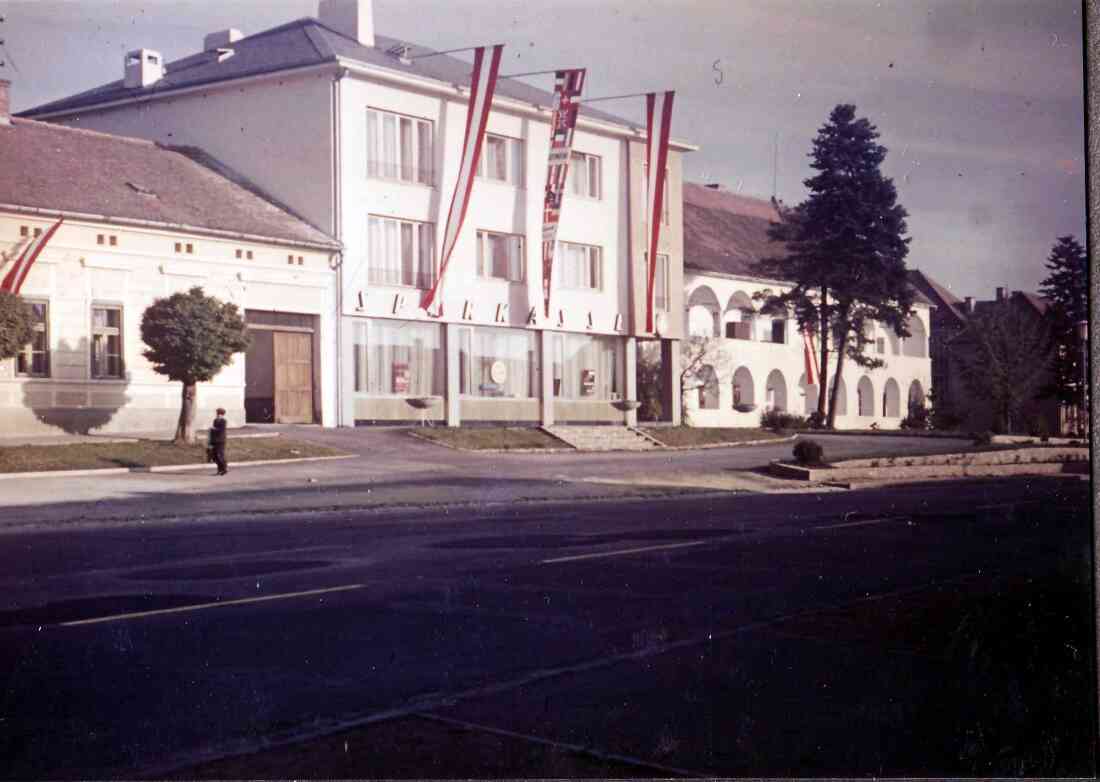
(1004, 361)
(16, 324)
(190, 338)
(844, 249)
(1067, 290)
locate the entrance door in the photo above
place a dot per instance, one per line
(293, 378)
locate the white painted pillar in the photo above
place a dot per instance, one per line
(546, 373)
(452, 408)
(630, 390)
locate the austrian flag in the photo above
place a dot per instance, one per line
(21, 267)
(658, 124)
(483, 83)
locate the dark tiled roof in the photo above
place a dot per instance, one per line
(52, 167)
(936, 294)
(728, 233)
(724, 232)
(298, 44)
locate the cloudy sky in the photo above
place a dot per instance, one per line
(979, 101)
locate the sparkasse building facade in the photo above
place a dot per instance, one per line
(139, 221)
(756, 361)
(362, 136)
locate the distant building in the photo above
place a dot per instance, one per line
(143, 221)
(757, 361)
(362, 135)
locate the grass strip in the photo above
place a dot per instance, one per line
(498, 438)
(148, 453)
(681, 436)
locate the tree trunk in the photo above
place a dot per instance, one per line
(185, 430)
(831, 422)
(823, 367)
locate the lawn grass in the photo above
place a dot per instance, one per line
(501, 438)
(693, 436)
(148, 453)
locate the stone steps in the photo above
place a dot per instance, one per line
(602, 438)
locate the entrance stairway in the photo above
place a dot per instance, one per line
(603, 438)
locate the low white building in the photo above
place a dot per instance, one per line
(142, 221)
(750, 362)
(362, 135)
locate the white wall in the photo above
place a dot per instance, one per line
(74, 271)
(762, 358)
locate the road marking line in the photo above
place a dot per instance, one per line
(863, 523)
(201, 606)
(620, 552)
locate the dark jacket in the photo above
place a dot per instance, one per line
(217, 432)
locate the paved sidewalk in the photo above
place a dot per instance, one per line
(391, 469)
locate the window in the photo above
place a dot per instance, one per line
(581, 266)
(400, 252)
(399, 147)
(502, 160)
(398, 358)
(106, 342)
(500, 256)
(880, 345)
(660, 283)
(497, 363)
(739, 329)
(586, 367)
(584, 178)
(34, 359)
(778, 332)
(664, 202)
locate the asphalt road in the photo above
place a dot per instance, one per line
(808, 634)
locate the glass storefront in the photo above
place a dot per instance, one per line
(498, 363)
(399, 358)
(587, 367)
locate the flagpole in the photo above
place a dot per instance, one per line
(452, 51)
(532, 73)
(617, 97)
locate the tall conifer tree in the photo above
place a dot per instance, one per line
(845, 248)
(1067, 290)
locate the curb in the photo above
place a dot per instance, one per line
(770, 441)
(163, 468)
(661, 446)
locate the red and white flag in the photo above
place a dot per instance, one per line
(483, 83)
(19, 270)
(810, 359)
(658, 124)
(568, 85)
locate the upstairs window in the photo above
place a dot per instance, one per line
(660, 283)
(502, 160)
(580, 265)
(400, 252)
(500, 256)
(585, 175)
(399, 147)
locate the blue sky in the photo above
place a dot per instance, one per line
(980, 102)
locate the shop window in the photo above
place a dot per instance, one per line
(106, 341)
(497, 363)
(587, 367)
(394, 358)
(34, 359)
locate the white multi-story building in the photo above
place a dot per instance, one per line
(143, 221)
(361, 135)
(751, 362)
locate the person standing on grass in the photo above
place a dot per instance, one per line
(217, 441)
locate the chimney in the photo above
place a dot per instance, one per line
(353, 18)
(969, 304)
(1000, 294)
(222, 39)
(142, 67)
(712, 186)
(5, 103)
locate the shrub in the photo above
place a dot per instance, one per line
(815, 420)
(982, 438)
(808, 452)
(1037, 427)
(919, 418)
(777, 420)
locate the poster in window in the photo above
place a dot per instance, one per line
(401, 378)
(588, 382)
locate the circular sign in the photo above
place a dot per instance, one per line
(498, 372)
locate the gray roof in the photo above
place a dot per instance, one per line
(68, 170)
(298, 44)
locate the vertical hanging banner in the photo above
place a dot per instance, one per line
(658, 125)
(19, 270)
(568, 85)
(809, 356)
(483, 83)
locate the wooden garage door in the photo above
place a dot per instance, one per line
(293, 378)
